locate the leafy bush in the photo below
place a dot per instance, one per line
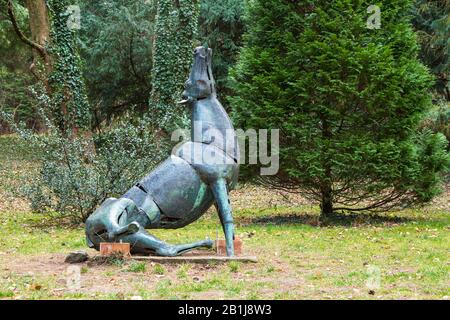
(159, 269)
(80, 168)
(79, 172)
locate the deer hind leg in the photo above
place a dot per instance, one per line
(144, 243)
(220, 191)
(119, 220)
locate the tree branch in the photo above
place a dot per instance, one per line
(12, 18)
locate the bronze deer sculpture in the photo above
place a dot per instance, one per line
(200, 172)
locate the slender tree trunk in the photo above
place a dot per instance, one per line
(447, 90)
(326, 207)
(38, 21)
(40, 34)
(326, 187)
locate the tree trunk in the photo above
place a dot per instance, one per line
(39, 23)
(38, 20)
(40, 31)
(326, 206)
(40, 35)
(326, 185)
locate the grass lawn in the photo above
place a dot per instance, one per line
(404, 254)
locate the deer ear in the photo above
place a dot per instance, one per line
(202, 84)
(203, 88)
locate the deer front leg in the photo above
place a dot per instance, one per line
(220, 191)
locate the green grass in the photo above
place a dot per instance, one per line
(234, 266)
(6, 294)
(298, 259)
(159, 269)
(182, 272)
(137, 267)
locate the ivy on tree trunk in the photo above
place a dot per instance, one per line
(175, 32)
(69, 92)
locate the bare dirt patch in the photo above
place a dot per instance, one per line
(48, 273)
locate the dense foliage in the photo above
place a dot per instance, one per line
(432, 22)
(221, 26)
(347, 99)
(358, 130)
(81, 168)
(15, 76)
(116, 48)
(438, 120)
(78, 174)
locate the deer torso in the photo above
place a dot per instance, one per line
(180, 185)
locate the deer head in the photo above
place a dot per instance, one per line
(200, 84)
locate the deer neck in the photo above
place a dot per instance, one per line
(212, 125)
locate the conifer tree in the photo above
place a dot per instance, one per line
(347, 98)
